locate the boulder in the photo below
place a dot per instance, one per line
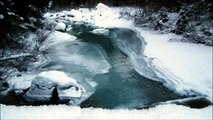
(54, 86)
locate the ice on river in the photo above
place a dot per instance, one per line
(83, 55)
(56, 37)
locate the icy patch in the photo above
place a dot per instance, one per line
(57, 37)
(168, 111)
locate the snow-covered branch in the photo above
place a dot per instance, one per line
(16, 56)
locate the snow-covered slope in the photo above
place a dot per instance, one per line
(188, 65)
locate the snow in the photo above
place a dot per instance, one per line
(2, 3)
(58, 77)
(10, 13)
(103, 8)
(168, 111)
(56, 37)
(32, 19)
(101, 31)
(188, 65)
(60, 26)
(102, 16)
(1, 16)
(50, 4)
(16, 56)
(43, 86)
(22, 82)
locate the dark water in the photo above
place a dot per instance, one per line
(122, 87)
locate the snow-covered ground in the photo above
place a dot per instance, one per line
(66, 112)
(187, 65)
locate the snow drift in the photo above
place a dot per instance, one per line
(168, 111)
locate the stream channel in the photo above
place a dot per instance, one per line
(116, 84)
(113, 70)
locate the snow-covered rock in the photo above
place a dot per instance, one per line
(60, 26)
(52, 23)
(1, 16)
(50, 83)
(57, 37)
(101, 31)
(11, 13)
(60, 78)
(102, 7)
(21, 82)
(101, 16)
(32, 19)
